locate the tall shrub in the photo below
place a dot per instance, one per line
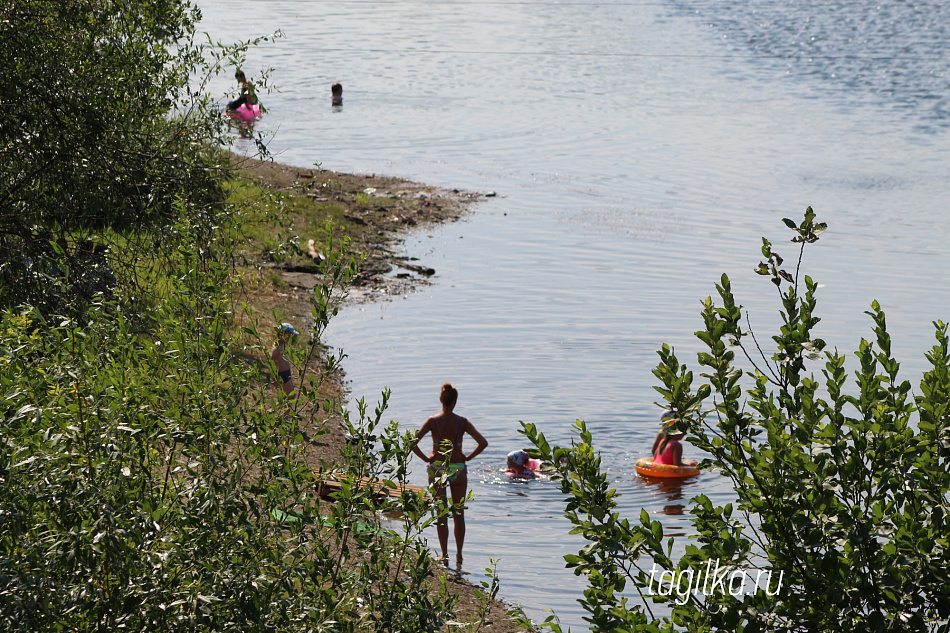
(106, 135)
(152, 481)
(841, 493)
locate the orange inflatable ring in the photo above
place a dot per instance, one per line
(647, 468)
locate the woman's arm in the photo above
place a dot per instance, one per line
(482, 442)
(423, 430)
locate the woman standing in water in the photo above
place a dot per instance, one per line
(447, 461)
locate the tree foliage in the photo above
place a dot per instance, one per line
(102, 136)
(150, 480)
(841, 495)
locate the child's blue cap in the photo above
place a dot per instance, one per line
(286, 327)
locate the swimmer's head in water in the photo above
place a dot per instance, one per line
(518, 458)
(449, 395)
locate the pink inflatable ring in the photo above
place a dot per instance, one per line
(246, 113)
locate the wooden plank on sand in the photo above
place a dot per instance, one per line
(333, 482)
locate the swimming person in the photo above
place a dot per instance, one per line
(447, 459)
(666, 446)
(278, 355)
(519, 465)
(336, 94)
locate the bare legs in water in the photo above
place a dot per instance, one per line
(448, 429)
(459, 488)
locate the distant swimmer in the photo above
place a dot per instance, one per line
(447, 463)
(336, 94)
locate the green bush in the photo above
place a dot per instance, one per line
(150, 478)
(841, 498)
(106, 135)
(151, 481)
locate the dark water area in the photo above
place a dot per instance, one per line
(639, 150)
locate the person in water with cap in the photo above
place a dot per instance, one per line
(518, 465)
(447, 464)
(666, 447)
(285, 331)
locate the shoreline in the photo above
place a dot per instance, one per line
(379, 212)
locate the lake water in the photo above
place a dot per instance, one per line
(639, 150)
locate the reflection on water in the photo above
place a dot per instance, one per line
(640, 150)
(670, 492)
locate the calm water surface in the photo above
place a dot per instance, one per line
(639, 150)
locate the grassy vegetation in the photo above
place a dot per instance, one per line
(302, 207)
(141, 462)
(151, 476)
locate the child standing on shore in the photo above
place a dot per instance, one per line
(285, 331)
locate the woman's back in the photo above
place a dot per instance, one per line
(451, 427)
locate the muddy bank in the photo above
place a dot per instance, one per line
(376, 213)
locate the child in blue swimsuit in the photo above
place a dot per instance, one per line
(447, 463)
(278, 356)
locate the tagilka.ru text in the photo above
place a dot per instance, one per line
(714, 578)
